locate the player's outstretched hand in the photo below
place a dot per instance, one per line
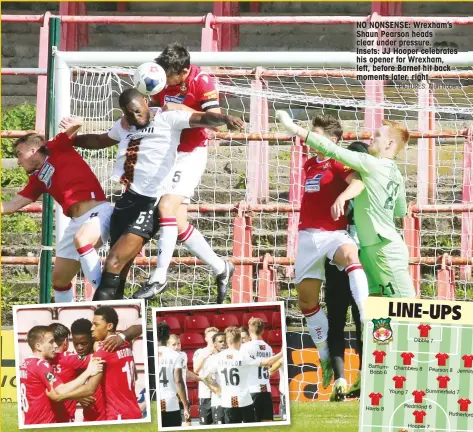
(338, 208)
(86, 401)
(234, 123)
(68, 122)
(287, 122)
(112, 343)
(95, 366)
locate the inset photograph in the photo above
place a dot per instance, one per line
(221, 365)
(82, 363)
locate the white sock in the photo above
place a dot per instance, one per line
(166, 245)
(358, 287)
(63, 296)
(196, 244)
(317, 324)
(91, 265)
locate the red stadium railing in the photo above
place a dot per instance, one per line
(242, 232)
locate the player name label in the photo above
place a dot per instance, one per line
(418, 366)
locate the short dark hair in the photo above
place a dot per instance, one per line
(109, 315)
(358, 146)
(36, 333)
(244, 329)
(81, 326)
(174, 59)
(60, 331)
(128, 95)
(162, 331)
(216, 335)
(330, 125)
(33, 138)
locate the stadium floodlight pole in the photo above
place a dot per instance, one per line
(48, 205)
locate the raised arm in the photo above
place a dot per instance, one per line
(213, 119)
(198, 362)
(131, 333)
(86, 141)
(360, 162)
(15, 204)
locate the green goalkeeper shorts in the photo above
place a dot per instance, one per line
(386, 265)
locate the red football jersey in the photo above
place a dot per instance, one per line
(118, 383)
(375, 398)
(197, 92)
(419, 415)
(443, 380)
(399, 381)
(324, 182)
(467, 361)
(64, 175)
(424, 330)
(464, 404)
(37, 376)
(64, 366)
(379, 356)
(418, 395)
(96, 411)
(407, 358)
(442, 359)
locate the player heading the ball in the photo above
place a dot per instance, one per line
(383, 252)
(54, 167)
(146, 155)
(188, 88)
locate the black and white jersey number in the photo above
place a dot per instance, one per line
(231, 376)
(163, 379)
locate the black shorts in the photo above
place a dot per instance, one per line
(263, 403)
(171, 418)
(205, 411)
(136, 214)
(218, 415)
(239, 415)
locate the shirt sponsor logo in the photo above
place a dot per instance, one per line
(46, 173)
(175, 99)
(210, 95)
(313, 184)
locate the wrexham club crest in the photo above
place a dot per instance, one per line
(382, 331)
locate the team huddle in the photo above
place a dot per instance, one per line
(161, 156)
(233, 376)
(99, 375)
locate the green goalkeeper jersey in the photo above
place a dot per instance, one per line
(384, 195)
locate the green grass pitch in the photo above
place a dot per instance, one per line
(331, 417)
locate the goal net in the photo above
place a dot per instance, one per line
(253, 86)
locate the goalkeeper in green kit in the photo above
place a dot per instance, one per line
(383, 253)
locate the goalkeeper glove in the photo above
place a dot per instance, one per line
(287, 122)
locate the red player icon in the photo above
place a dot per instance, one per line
(399, 381)
(468, 360)
(419, 415)
(424, 330)
(379, 356)
(464, 404)
(407, 358)
(442, 359)
(443, 380)
(375, 398)
(418, 395)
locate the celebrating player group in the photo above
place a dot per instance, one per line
(99, 375)
(233, 377)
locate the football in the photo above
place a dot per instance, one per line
(149, 78)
